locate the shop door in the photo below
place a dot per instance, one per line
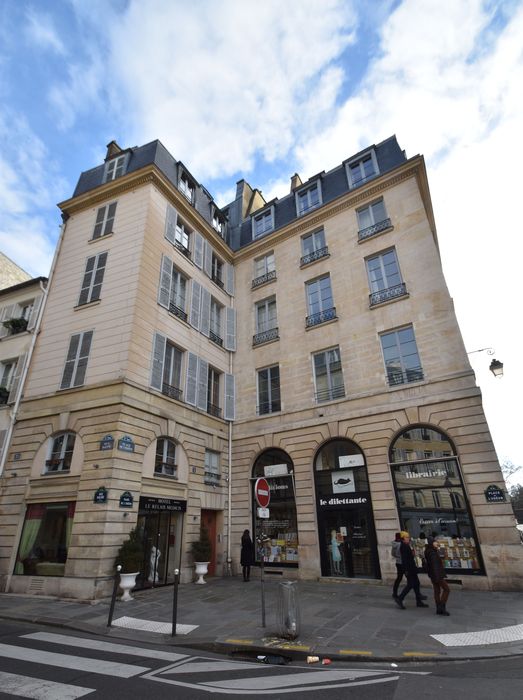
(159, 542)
(348, 544)
(208, 521)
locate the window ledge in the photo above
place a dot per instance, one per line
(101, 238)
(61, 472)
(172, 477)
(86, 305)
(321, 324)
(372, 236)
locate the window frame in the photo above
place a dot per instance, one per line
(83, 336)
(93, 278)
(104, 221)
(187, 187)
(65, 449)
(332, 391)
(264, 304)
(265, 214)
(306, 190)
(359, 160)
(273, 405)
(119, 169)
(417, 371)
(213, 391)
(212, 467)
(167, 464)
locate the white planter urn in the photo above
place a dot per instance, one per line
(200, 569)
(127, 583)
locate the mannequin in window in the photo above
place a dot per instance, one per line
(154, 559)
(335, 554)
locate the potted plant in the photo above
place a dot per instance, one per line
(4, 394)
(201, 550)
(15, 325)
(130, 557)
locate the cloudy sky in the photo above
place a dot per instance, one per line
(262, 89)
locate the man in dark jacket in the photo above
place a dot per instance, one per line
(437, 575)
(409, 566)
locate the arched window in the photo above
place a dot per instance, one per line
(165, 458)
(60, 454)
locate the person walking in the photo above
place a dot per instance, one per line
(247, 555)
(396, 555)
(436, 572)
(409, 566)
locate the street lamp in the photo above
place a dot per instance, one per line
(496, 367)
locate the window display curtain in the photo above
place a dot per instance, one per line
(33, 520)
(69, 524)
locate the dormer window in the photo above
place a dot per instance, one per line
(263, 223)
(217, 223)
(186, 187)
(308, 199)
(362, 169)
(115, 168)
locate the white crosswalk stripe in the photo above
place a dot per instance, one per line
(39, 689)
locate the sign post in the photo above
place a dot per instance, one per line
(262, 493)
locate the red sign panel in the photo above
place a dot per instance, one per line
(262, 492)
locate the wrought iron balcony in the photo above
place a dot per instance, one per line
(262, 279)
(375, 228)
(173, 392)
(217, 279)
(315, 255)
(399, 290)
(265, 336)
(335, 392)
(397, 376)
(177, 311)
(268, 407)
(211, 478)
(320, 317)
(216, 338)
(214, 410)
(182, 249)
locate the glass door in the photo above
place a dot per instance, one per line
(349, 544)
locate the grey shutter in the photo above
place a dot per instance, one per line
(83, 357)
(229, 397)
(3, 433)
(207, 258)
(229, 279)
(17, 377)
(159, 344)
(171, 218)
(70, 361)
(205, 312)
(198, 250)
(192, 374)
(87, 280)
(230, 328)
(7, 314)
(34, 312)
(201, 388)
(99, 273)
(194, 318)
(166, 279)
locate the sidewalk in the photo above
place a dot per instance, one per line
(339, 620)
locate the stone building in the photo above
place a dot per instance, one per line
(187, 350)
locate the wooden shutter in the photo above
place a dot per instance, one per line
(83, 357)
(194, 318)
(207, 258)
(159, 344)
(166, 280)
(230, 328)
(205, 312)
(33, 316)
(17, 377)
(198, 250)
(229, 279)
(67, 376)
(192, 374)
(201, 387)
(171, 218)
(229, 397)
(7, 314)
(3, 433)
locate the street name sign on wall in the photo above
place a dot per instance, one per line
(494, 494)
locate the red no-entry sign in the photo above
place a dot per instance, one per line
(262, 492)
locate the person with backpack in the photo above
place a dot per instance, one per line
(409, 566)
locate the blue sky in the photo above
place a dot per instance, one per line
(244, 88)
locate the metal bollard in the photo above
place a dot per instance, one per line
(175, 600)
(113, 599)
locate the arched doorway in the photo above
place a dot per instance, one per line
(345, 520)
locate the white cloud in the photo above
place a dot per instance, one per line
(40, 30)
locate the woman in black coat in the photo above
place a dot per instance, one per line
(247, 555)
(436, 572)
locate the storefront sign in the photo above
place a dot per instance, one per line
(276, 470)
(494, 494)
(126, 444)
(343, 481)
(100, 495)
(126, 500)
(334, 501)
(263, 513)
(107, 442)
(151, 504)
(345, 461)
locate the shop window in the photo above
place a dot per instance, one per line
(431, 498)
(165, 458)
(45, 539)
(61, 453)
(281, 527)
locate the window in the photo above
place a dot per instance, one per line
(93, 278)
(61, 453)
(372, 219)
(319, 301)
(263, 223)
(7, 370)
(172, 371)
(212, 468)
(215, 333)
(384, 277)
(45, 539)
(172, 289)
(266, 321)
(217, 222)
(313, 247)
(216, 270)
(362, 169)
(264, 270)
(400, 354)
(269, 390)
(186, 187)
(308, 199)
(436, 498)
(76, 361)
(213, 392)
(181, 237)
(165, 458)
(104, 220)
(115, 168)
(25, 309)
(328, 376)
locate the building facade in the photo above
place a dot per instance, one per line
(187, 350)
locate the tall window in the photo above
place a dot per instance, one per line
(212, 468)
(313, 247)
(269, 390)
(172, 371)
(384, 277)
(93, 278)
(76, 361)
(6, 375)
(178, 288)
(60, 453)
(216, 270)
(308, 199)
(400, 354)
(115, 168)
(361, 170)
(266, 321)
(216, 334)
(165, 458)
(213, 392)
(181, 237)
(186, 187)
(371, 215)
(263, 223)
(264, 270)
(320, 303)
(104, 220)
(328, 375)
(217, 222)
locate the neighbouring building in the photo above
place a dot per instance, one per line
(186, 350)
(10, 273)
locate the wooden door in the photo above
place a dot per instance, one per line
(208, 521)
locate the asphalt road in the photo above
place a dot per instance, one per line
(44, 662)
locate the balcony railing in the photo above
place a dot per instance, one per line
(166, 469)
(399, 290)
(315, 255)
(214, 410)
(217, 279)
(211, 478)
(265, 336)
(268, 407)
(216, 338)
(182, 249)
(173, 392)
(57, 465)
(375, 228)
(177, 311)
(397, 376)
(335, 392)
(262, 279)
(320, 317)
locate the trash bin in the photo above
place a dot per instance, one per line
(288, 610)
